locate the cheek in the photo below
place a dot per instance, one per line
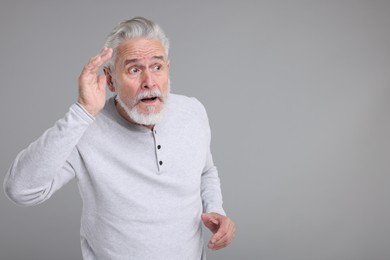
(163, 81)
(128, 93)
(167, 85)
(128, 88)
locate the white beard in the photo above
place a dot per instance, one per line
(151, 117)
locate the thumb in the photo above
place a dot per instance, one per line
(210, 222)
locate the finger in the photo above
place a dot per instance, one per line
(223, 242)
(207, 217)
(218, 237)
(222, 230)
(96, 61)
(105, 54)
(215, 247)
(224, 236)
(210, 222)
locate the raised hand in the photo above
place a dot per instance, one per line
(222, 227)
(92, 87)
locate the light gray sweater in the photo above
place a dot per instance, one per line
(143, 191)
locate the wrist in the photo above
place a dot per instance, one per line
(86, 110)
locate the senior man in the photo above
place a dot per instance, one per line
(141, 159)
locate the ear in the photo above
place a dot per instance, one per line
(110, 84)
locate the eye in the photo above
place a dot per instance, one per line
(157, 67)
(133, 70)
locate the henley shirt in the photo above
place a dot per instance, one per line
(143, 190)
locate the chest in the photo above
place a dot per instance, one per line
(155, 165)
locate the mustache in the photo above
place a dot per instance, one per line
(153, 93)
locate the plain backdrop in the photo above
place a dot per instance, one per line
(298, 98)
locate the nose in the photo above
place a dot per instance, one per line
(147, 80)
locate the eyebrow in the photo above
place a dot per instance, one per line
(136, 60)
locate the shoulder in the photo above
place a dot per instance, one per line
(187, 113)
(185, 104)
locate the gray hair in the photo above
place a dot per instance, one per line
(137, 27)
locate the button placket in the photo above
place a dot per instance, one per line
(158, 148)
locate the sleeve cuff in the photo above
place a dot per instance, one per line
(82, 112)
(220, 211)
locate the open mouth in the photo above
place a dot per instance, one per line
(149, 99)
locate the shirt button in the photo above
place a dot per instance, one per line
(159, 147)
(160, 162)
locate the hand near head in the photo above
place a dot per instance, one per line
(92, 87)
(222, 227)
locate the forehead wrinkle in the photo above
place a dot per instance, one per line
(130, 57)
(133, 51)
(129, 61)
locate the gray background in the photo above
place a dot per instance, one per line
(298, 98)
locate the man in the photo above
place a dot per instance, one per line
(142, 159)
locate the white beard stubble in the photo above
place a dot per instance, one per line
(151, 117)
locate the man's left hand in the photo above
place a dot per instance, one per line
(222, 227)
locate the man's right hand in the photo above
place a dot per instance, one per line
(92, 87)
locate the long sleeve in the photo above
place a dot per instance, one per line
(42, 168)
(210, 183)
(211, 189)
